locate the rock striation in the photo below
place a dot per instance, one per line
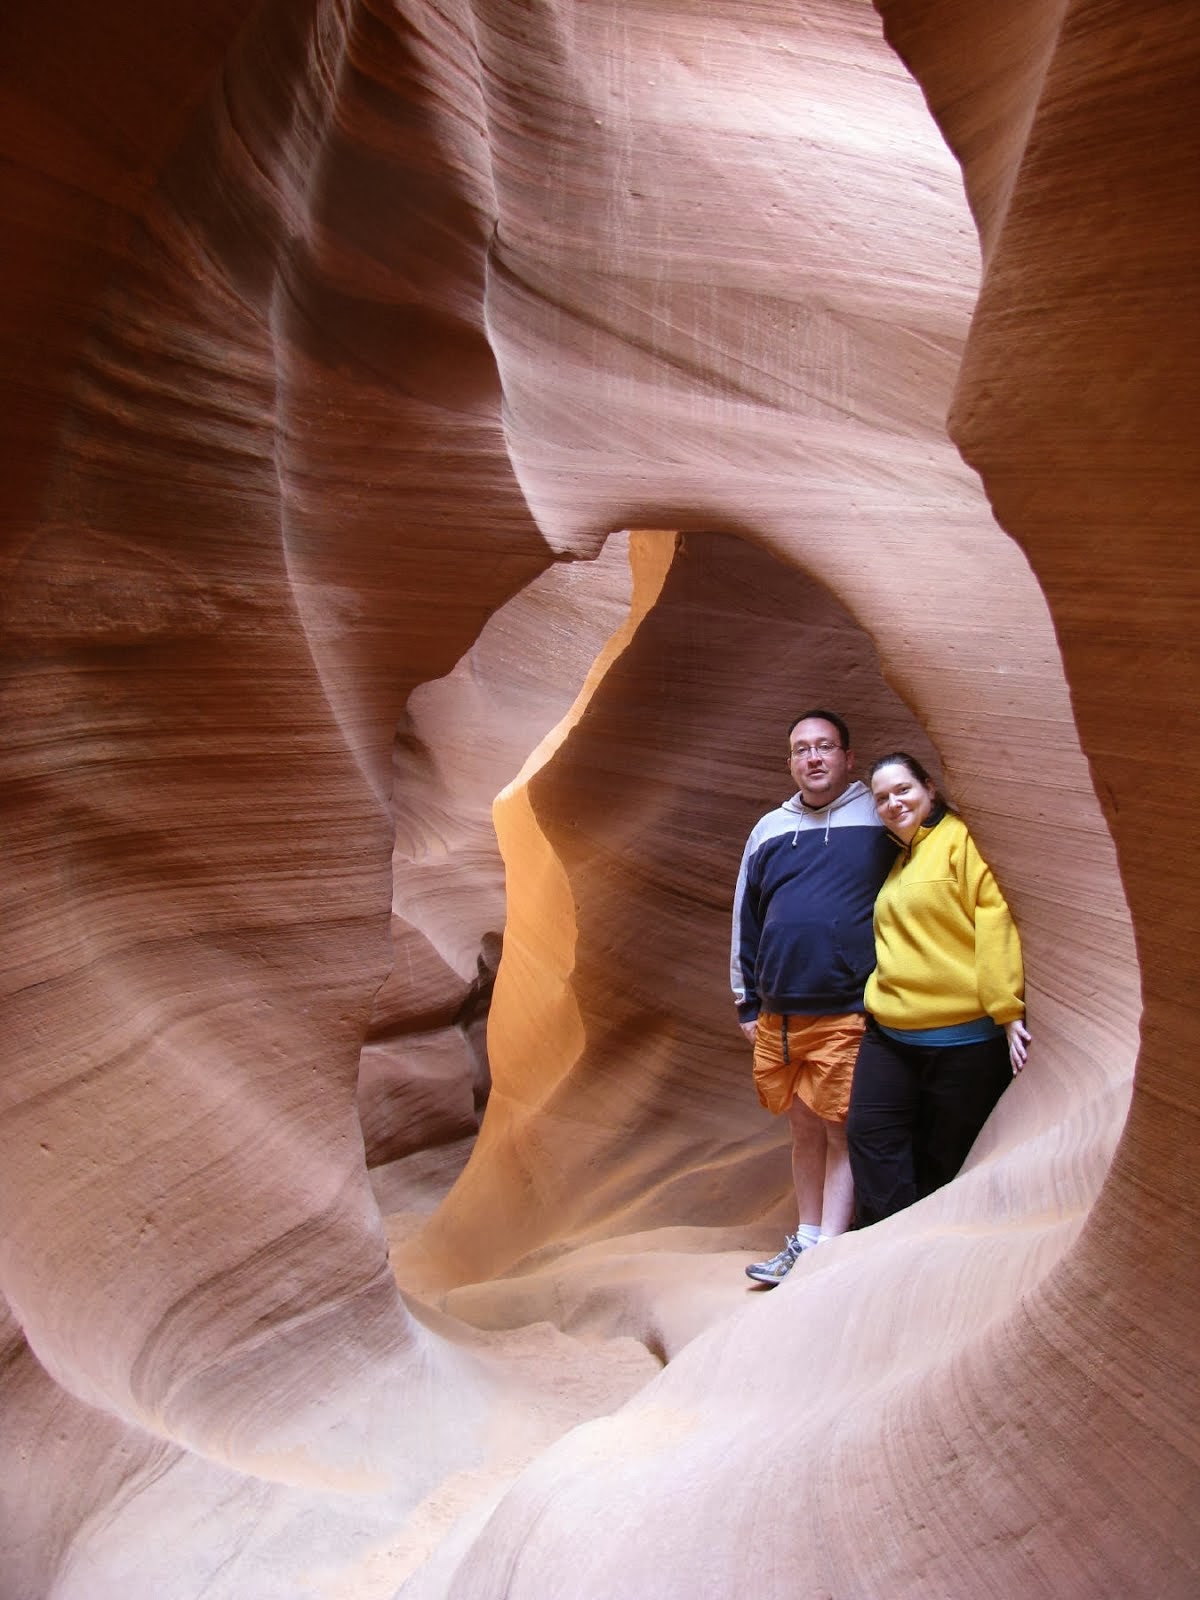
(344, 346)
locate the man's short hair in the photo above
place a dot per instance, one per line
(825, 716)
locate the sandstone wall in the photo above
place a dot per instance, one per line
(328, 329)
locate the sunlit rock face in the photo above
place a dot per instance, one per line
(423, 1074)
(339, 342)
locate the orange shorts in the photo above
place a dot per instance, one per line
(820, 1051)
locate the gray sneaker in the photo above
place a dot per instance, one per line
(777, 1268)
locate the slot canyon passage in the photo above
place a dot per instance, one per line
(416, 406)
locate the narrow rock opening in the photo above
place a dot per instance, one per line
(620, 825)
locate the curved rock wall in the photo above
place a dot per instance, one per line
(328, 328)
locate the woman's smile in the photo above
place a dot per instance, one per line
(902, 800)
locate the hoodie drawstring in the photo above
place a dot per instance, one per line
(829, 818)
(853, 791)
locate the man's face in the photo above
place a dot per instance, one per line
(820, 768)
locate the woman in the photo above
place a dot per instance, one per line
(946, 1030)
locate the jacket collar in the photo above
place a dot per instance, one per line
(931, 821)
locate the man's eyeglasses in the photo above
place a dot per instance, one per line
(822, 749)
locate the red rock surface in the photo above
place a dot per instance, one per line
(330, 333)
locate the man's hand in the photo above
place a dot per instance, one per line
(1018, 1044)
(750, 1029)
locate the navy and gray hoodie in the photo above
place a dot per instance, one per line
(802, 939)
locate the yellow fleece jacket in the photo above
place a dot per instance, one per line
(946, 947)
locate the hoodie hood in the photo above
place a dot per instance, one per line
(851, 792)
(821, 816)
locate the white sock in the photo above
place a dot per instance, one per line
(808, 1233)
(821, 1237)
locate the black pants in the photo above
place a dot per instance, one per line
(915, 1112)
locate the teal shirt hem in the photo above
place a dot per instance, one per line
(978, 1031)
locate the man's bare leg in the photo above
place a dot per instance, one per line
(837, 1201)
(809, 1161)
(824, 1189)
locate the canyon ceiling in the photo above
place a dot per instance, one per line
(444, 443)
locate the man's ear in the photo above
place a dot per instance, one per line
(849, 760)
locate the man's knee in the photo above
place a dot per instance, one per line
(809, 1130)
(801, 1115)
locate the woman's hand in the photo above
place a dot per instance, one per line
(750, 1029)
(1018, 1044)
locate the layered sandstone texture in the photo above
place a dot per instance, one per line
(444, 444)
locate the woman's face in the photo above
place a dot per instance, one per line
(901, 799)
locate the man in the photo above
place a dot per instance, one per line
(802, 952)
